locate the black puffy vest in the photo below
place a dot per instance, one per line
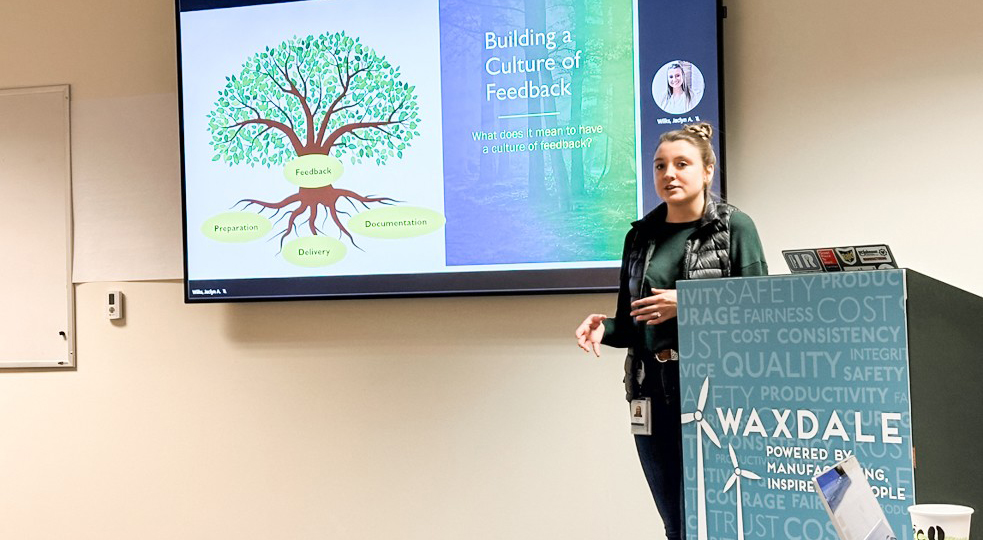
(707, 256)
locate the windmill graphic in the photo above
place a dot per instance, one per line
(702, 426)
(736, 479)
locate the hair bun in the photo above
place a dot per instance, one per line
(702, 130)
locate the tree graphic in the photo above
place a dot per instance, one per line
(326, 95)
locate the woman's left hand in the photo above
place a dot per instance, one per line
(655, 309)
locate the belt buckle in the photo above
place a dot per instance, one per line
(673, 355)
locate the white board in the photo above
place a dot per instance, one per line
(37, 307)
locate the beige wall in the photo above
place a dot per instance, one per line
(859, 122)
(436, 418)
(452, 418)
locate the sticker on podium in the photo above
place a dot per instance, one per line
(840, 259)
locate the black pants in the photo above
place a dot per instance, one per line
(661, 453)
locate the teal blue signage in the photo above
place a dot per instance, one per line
(781, 377)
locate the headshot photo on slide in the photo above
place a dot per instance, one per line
(678, 86)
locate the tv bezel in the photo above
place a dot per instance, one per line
(529, 281)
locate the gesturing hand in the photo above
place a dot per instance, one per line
(655, 309)
(590, 332)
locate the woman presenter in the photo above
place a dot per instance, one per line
(688, 236)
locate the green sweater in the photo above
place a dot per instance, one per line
(666, 267)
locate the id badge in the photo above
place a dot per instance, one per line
(641, 416)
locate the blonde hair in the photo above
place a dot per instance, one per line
(700, 135)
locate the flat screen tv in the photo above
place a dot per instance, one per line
(367, 148)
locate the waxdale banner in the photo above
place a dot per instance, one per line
(790, 374)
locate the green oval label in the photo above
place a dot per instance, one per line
(396, 222)
(313, 171)
(236, 227)
(314, 251)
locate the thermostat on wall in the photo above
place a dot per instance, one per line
(114, 305)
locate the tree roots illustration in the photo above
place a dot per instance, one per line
(309, 200)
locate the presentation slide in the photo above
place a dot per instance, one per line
(364, 148)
